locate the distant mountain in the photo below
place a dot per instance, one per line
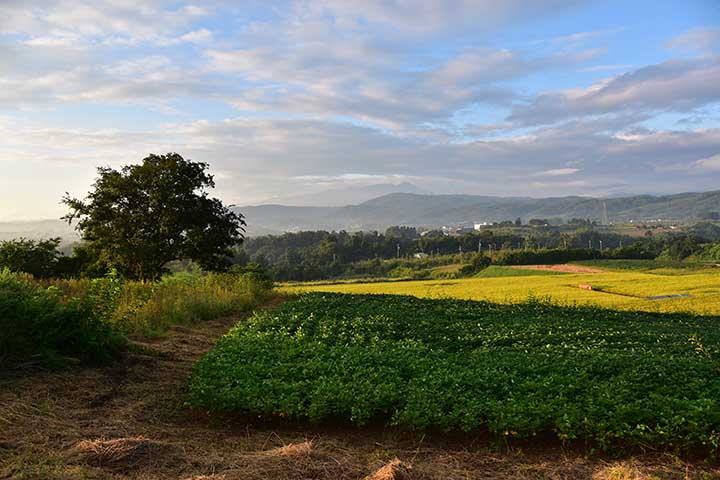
(438, 210)
(37, 229)
(346, 196)
(428, 211)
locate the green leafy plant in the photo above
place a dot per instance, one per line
(605, 377)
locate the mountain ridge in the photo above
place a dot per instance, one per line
(433, 211)
(437, 210)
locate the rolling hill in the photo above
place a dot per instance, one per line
(429, 211)
(438, 210)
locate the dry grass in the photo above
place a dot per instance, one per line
(127, 454)
(128, 422)
(393, 470)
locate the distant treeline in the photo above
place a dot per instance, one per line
(315, 255)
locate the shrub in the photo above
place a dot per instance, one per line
(87, 319)
(36, 324)
(37, 258)
(545, 256)
(478, 263)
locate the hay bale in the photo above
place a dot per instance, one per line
(585, 286)
(124, 454)
(395, 470)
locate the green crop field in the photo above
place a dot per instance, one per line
(606, 377)
(623, 290)
(500, 271)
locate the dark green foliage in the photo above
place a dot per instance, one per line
(141, 217)
(707, 230)
(36, 325)
(606, 377)
(643, 265)
(318, 255)
(545, 256)
(255, 272)
(711, 252)
(408, 233)
(36, 257)
(681, 247)
(564, 255)
(477, 263)
(710, 215)
(538, 222)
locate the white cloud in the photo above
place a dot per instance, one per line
(562, 184)
(603, 68)
(346, 92)
(710, 163)
(429, 16)
(260, 158)
(556, 172)
(671, 86)
(706, 38)
(198, 36)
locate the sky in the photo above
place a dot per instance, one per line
(487, 97)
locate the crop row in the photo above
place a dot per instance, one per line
(597, 375)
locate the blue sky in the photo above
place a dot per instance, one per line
(542, 98)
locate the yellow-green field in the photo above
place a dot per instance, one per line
(619, 290)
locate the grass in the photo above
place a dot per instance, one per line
(660, 267)
(55, 321)
(625, 290)
(184, 299)
(606, 377)
(500, 271)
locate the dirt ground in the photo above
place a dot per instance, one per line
(128, 421)
(566, 268)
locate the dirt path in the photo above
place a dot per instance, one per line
(565, 268)
(128, 421)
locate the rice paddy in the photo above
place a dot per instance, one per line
(622, 290)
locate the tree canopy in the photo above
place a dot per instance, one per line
(37, 257)
(140, 217)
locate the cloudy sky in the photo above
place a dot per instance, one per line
(494, 97)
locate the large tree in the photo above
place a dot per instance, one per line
(140, 217)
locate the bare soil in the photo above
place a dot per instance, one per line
(128, 421)
(565, 268)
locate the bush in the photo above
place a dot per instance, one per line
(478, 263)
(37, 258)
(36, 324)
(87, 319)
(545, 256)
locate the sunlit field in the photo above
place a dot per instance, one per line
(619, 290)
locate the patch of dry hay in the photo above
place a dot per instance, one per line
(394, 470)
(302, 449)
(125, 454)
(206, 477)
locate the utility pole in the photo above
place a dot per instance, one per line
(480, 246)
(601, 246)
(398, 250)
(590, 244)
